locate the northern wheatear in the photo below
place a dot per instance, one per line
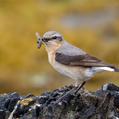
(70, 60)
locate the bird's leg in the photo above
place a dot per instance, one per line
(70, 93)
(80, 86)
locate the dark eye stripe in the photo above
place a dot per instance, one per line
(48, 39)
(55, 37)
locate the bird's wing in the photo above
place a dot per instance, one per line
(80, 60)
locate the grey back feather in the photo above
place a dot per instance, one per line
(68, 49)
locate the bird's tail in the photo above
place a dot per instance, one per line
(108, 68)
(111, 68)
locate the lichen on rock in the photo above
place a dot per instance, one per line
(63, 103)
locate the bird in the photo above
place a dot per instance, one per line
(70, 60)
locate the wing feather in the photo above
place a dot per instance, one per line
(80, 60)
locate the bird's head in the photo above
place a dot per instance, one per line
(52, 38)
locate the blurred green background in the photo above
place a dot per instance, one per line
(92, 25)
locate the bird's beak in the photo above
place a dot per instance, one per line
(39, 40)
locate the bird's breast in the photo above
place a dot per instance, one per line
(72, 72)
(51, 58)
(78, 73)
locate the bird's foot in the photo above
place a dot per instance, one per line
(69, 95)
(79, 87)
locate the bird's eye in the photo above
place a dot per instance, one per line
(55, 37)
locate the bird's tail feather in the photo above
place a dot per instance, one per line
(113, 68)
(109, 68)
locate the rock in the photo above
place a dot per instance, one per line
(2, 114)
(63, 103)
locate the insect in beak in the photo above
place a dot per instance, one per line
(39, 40)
